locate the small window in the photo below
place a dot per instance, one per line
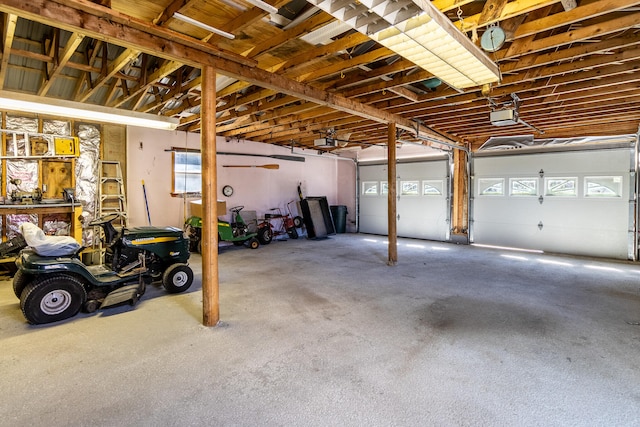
(491, 186)
(561, 187)
(384, 187)
(523, 186)
(409, 188)
(603, 186)
(370, 188)
(432, 188)
(187, 173)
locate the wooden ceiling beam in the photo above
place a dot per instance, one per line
(8, 33)
(611, 26)
(570, 54)
(288, 114)
(236, 100)
(580, 13)
(510, 10)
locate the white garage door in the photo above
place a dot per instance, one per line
(423, 201)
(574, 202)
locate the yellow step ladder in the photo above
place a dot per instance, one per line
(111, 195)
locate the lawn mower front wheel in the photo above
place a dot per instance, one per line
(52, 298)
(253, 243)
(177, 278)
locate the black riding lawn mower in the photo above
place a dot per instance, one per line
(54, 284)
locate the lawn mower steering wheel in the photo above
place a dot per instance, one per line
(103, 219)
(236, 209)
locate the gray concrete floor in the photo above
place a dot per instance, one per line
(323, 333)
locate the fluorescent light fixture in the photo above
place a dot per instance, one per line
(199, 24)
(326, 34)
(419, 32)
(76, 110)
(264, 6)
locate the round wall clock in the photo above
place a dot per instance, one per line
(227, 190)
(493, 39)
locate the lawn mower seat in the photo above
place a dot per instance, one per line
(48, 245)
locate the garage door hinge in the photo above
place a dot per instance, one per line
(540, 225)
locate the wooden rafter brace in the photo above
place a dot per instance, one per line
(111, 69)
(167, 68)
(168, 12)
(60, 62)
(8, 33)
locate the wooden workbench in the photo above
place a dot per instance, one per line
(73, 209)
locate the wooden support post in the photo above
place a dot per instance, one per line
(210, 284)
(460, 194)
(391, 196)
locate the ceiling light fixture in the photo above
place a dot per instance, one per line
(75, 110)
(264, 6)
(419, 32)
(199, 24)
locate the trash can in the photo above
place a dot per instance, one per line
(339, 214)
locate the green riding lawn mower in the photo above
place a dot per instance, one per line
(54, 284)
(236, 231)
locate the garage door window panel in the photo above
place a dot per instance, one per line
(603, 186)
(561, 187)
(523, 187)
(370, 188)
(432, 188)
(410, 188)
(491, 186)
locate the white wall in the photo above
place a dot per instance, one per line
(257, 189)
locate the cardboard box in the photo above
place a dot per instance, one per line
(196, 208)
